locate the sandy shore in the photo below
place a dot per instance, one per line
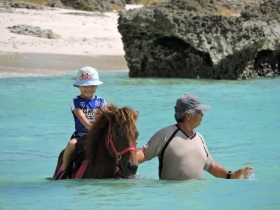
(86, 39)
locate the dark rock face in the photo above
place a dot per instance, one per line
(202, 39)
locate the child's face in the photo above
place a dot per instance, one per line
(87, 91)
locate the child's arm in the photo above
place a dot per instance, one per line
(81, 116)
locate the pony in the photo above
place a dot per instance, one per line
(108, 150)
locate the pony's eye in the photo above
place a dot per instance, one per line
(118, 134)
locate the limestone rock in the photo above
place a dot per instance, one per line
(90, 5)
(34, 31)
(85, 5)
(202, 39)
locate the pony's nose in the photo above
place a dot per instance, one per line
(132, 168)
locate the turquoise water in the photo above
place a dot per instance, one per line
(241, 129)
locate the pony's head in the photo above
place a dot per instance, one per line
(115, 129)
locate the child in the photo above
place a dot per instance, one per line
(83, 107)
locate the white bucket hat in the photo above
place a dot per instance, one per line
(87, 76)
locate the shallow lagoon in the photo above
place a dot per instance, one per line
(241, 129)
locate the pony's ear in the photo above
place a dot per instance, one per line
(112, 107)
(101, 111)
(108, 115)
(136, 113)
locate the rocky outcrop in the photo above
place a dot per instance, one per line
(85, 5)
(202, 39)
(33, 31)
(90, 5)
(26, 5)
(133, 1)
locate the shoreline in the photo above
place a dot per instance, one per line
(45, 64)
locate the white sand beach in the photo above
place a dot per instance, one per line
(86, 38)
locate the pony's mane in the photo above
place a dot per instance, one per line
(98, 134)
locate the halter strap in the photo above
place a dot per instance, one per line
(110, 141)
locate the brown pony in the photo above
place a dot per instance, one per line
(108, 150)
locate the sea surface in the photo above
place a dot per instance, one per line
(241, 129)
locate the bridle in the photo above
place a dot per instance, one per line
(118, 155)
